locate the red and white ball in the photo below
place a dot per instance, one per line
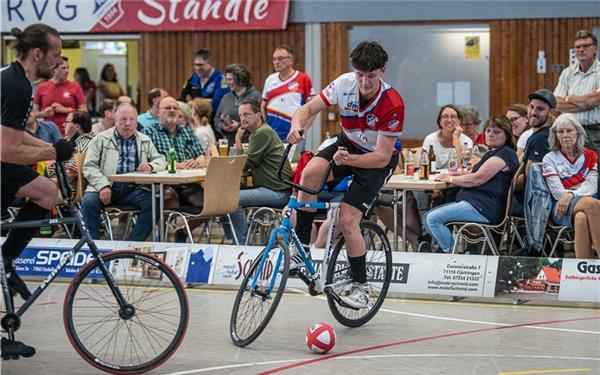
(320, 338)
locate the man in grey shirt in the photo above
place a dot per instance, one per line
(578, 89)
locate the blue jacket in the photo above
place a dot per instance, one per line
(538, 205)
(214, 88)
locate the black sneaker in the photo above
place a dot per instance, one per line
(15, 349)
(527, 251)
(17, 285)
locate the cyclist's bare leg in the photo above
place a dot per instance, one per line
(349, 224)
(41, 191)
(312, 175)
(42, 194)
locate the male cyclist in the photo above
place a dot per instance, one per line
(372, 118)
(38, 50)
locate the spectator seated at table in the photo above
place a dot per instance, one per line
(118, 150)
(571, 172)
(517, 115)
(482, 197)
(150, 117)
(189, 153)
(470, 123)
(106, 110)
(265, 152)
(201, 114)
(78, 127)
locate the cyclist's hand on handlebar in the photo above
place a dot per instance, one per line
(341, 156)
(295, 136)
(64, 149)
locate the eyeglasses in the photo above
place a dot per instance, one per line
(280, 58)
(588, 45)
(453, 117)
(170, 108)
(514, 119)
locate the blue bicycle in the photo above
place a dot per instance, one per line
(263, 286)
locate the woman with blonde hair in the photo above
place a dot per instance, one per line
(201, 112)
(184, 115)
(571, 173)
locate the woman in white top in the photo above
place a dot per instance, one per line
(449, 136)
(517, 115)
(201, 112)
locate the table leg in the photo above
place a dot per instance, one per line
(161, 211)
(153, 194)
(404, 246)
(395, 220)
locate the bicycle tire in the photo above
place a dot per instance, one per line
(126, 346)
(379, 258)
(246, 322)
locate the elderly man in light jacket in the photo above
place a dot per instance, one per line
(121, 149)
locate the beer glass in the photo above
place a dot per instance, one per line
(223, 147)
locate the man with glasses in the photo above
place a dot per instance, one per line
(188, 152)
(578, 89)
(285, 91)
(206, 81)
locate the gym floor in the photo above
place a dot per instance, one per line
(408, 336)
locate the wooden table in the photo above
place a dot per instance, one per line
(181, 177)
(404, 184)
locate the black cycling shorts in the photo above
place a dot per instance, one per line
(367, 182)
(13, 178)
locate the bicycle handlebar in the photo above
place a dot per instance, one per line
(293, 184)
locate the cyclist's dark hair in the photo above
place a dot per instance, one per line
(254, 105)
(368, 56)
(33, 36)
(84, 120)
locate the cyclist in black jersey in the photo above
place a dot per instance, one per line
(38, 49)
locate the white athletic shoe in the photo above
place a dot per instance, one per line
(358, 297)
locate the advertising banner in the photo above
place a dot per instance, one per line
(580, 280)
(444, 274)
(461, 275)
(42, 255)
(111, 16)
(529, 278)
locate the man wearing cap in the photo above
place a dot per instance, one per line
(578, 89)
(541, 107)
(536, 199)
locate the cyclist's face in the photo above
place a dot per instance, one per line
(368, 82)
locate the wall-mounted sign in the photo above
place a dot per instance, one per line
(108, 16)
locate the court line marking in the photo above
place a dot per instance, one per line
(383, 356)
(436, 317)
(553, 371)
(417, 340)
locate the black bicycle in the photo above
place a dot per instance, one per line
(125, 312)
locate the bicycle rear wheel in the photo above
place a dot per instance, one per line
(104, 335)
(254, 307)
(379, 273)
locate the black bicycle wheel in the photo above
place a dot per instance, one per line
(109, 339)
(379, 273)
(254, 307)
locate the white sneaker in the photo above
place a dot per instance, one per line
(296, 260)
(358, 297)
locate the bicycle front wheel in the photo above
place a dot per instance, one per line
(135, 339)
(254, 307)
(379, 273)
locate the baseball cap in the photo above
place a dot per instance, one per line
(544, 95)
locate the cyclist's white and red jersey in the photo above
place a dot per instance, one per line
(384, 114)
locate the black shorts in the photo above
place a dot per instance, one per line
(13, 178)
(367, 182)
